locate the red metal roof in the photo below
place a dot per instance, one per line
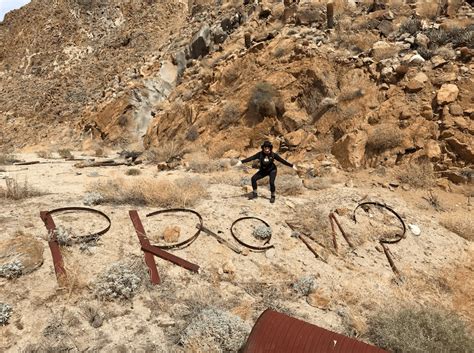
(278, 333)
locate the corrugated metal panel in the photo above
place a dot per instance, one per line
(278, 333)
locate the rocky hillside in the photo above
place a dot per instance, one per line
(390, 83)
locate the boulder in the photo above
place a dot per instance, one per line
(455, 109)
(416, 83)
(295, 138)
(462, 150)
(350, 149)
(447, 94)
(294, 119)
(383, 50)
(422, 40)
(432, 150)
(22, 249)
(310, 13)
(201, 43)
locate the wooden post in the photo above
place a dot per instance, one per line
(330, 14)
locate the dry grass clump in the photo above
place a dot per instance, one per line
(200, 163)
(65, 153)
(44, 154)
(167, 152)
(457, 36)
(419, 175)
(411, 26)
(6, 158)
(192, 134)
(383, 138)
(460, 223)
(182, 192)
(230, 115)
(265, 101)
(133, 172)
(311, 219)
(18, 191)
(419, 330)
(214, 328)
(289, 185)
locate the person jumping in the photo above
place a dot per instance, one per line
(267, 167)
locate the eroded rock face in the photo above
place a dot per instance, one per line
(350, 149)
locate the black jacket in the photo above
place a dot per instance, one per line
(267, 162)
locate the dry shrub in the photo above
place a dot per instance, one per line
(133, 172)
(312, 219)
(217, 150)
(457, 36)
(230, 115)
(427, 8)
(419, 330)
(289, 185)
(6, 158)
(44, 154)
(182, 192)
(192, 134)
(460, 223)
(265, 101)
(65, 153)
(420, 175)
(200, 163)
(383, 138)
(18, 191)
(167, 152)
(358, 42)
(411, 26)
(99, 152)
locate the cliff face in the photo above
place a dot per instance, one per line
(60, 58)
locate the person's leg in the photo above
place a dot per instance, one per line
(257, 176)
(273, 175)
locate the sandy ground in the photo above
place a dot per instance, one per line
(352, 285)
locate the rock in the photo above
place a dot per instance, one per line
(24, 249)
(432, 150)
(201, 43)
(447, 94)
(461, 123)
(265, 12)
(270, 253)
(350, 149)
(416, 83)
(462, 150)
(229, 268)
(438, 61)
(414, 229)
(248, 40)
(294, 119)
(219, 36)
(309, 13)
(295, 138)
(383, 50)
(426, 112)
(171, 234)
(416, 59)
(422, 40)
(455, 109)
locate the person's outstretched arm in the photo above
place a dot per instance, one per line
(251, 158)
(281, 160)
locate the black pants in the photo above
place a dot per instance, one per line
(262, 174)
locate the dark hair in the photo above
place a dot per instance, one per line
(267, 144)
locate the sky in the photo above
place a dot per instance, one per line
(8, 5)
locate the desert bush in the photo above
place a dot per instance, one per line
(457, 36)
(146, 191)
(6, 158)
(44, 154)
(64, 236)
(216, 328)
(12, 269)
(65, 153)
(92, 198)
(420, 175)
(265, 100)
(200, 163)
(119, 281)
(167, 152)
(419, 330)
(383, 138)
(5, 313)
(99, 152)
(289, 185)
(426, 53)
(304, 285)
(192, 134)
(218, 149)
(92, 313)
(411, 26)
(459, 223)
(262, 232)
(133, 172)
(230, 115)
(18, 191)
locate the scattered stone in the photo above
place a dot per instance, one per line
(171, 234)
(270, 253)
(229, 268)
(432, 150)
(416, 59)
(447, 94)
(455, 109)
(438, 61)
(201, 43)
(414, 229)
(422, 40)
